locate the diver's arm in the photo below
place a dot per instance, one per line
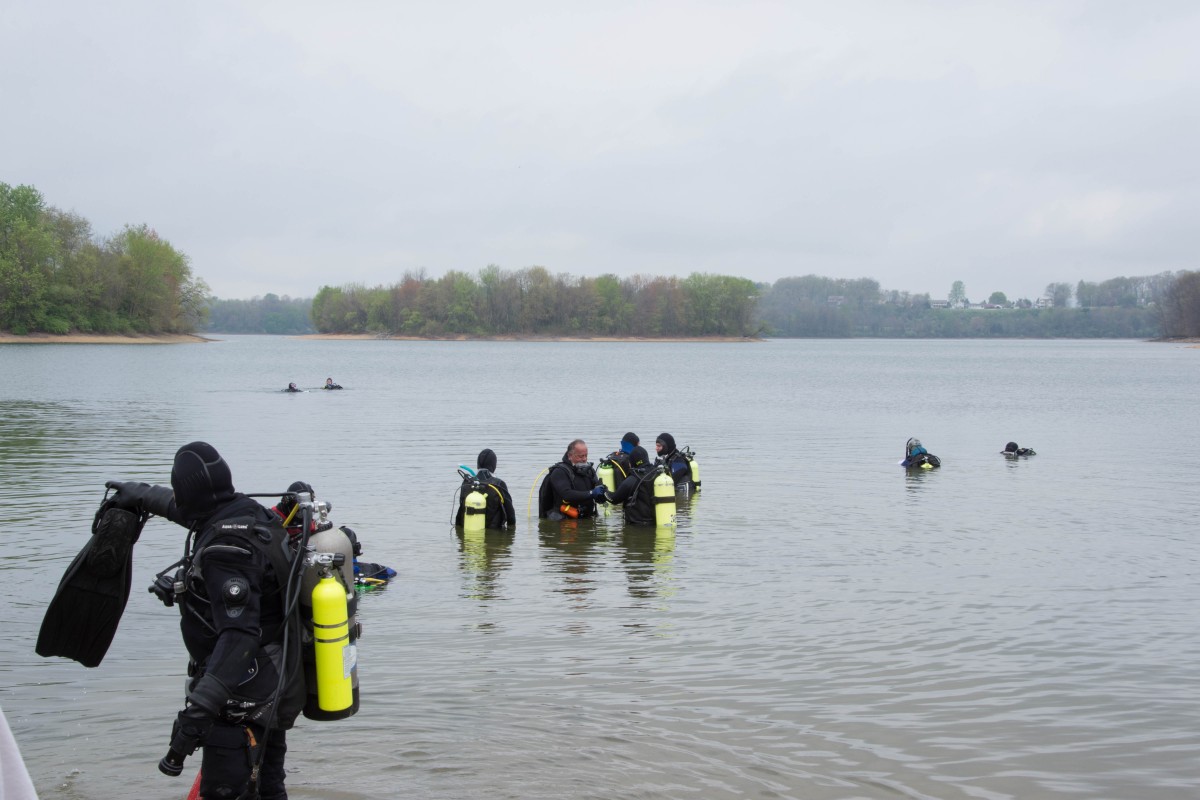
(233, 582)
(146, 499)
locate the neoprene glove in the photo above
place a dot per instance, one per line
(129, 496)
(141, 497)
(598, 491)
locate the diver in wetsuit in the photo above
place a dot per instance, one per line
(916, 456)
(1011, 450)
(500, 511)
(637, 491)
(233, 623)
(292, 387)
(677, 464)
(571, 487)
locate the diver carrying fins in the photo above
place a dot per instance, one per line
(82, 618)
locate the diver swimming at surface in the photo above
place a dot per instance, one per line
(917, 457)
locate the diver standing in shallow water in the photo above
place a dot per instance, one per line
(571, 488)
(637, 491)
(229, 590)
(678, 465)
(499, 511)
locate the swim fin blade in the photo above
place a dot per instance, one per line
(82, 618)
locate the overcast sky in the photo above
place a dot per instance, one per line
(288, 145)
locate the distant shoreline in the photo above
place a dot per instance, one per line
(89, 338)
(520, 338)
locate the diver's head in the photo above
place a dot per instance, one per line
(1011, 447)
(291, 385)
(201, 480)
(577, 452)
(629, 441)
(638, 457)
(486, 461)
(664, 444)
(288, 501)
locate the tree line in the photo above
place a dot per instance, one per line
(531, 301)
(270, 314)
(57, 277)
(820, 307)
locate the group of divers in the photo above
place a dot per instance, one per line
(916, 457)
(576, 489)
(267, 596)
(329, 384)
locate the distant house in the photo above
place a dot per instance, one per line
(1044, 302)
(836, 299)
(939, 303)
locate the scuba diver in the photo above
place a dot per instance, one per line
(917, 457)
(678, 463)
(1012, 451)
(244, 690)
(293, 388)
(366, 573)
(500, 511)
(329, 384)
(571, 487)
(637, 490)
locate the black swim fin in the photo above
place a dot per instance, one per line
(82, 619)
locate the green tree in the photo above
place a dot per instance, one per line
(998, 299)
(27, 251)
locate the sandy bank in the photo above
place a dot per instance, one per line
(85, 338)
(370, 336)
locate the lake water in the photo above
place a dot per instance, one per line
(820, 624)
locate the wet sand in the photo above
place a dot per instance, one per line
(84, 338)
(515, 338)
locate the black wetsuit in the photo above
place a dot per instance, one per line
(637, 493)
(571, 485)
(232, 620)
(500, 511)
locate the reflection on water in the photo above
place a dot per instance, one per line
(819, 624)
(485, 555)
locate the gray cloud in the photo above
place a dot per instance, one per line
(285, 146)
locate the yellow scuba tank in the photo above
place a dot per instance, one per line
(695, 467)
(335, 657)
(330, 657)
(664, 499)
(475, 510)
(605, 471)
